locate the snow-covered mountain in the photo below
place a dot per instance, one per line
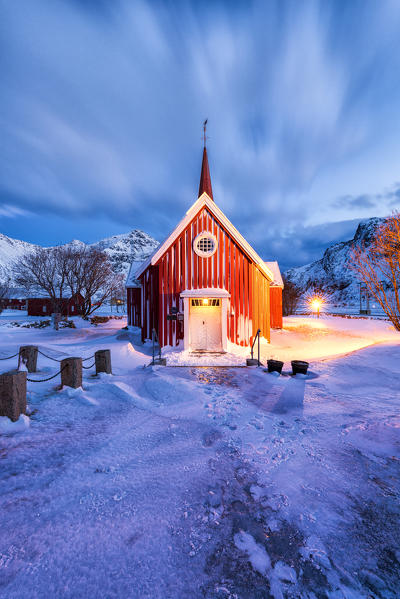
(122, 249)
(332, 272)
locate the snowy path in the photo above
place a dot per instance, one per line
(170, 483)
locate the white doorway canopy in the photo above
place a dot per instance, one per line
(205, 319)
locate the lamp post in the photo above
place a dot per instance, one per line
(316, 305)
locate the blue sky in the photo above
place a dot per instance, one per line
(102, 102)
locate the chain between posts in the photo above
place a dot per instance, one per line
(49, 357)
(49, 378)
(9, 357)
(87, 367)
(55, 359)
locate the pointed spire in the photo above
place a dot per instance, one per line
(205, 179)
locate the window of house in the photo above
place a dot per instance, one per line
(205, 245)
(205, 302)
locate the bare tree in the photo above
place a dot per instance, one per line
(90, 274)
(65, 272)
(290, 297)
(4, 288)
(45, 270)
(378, 267)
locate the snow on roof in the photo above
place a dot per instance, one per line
(131, 280)
(274, 267)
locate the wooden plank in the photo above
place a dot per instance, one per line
(233, 292)
(246, 301)
(175, 266)
(200, 282)
(169, 328)
(239, 270)
(251, 324)
(214, 279)
(160, 305)
(195, 257)
(221, 253)
(237, 294)
(184, 265)
(189, 257)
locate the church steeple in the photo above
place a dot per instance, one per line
(205, 179)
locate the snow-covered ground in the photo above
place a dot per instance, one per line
(206, 482)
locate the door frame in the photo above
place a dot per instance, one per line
(210, 293)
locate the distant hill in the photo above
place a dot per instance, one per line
(122, 249)
(332, 271)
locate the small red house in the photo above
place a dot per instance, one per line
(43, 306)
(13, 304)
(204, 285)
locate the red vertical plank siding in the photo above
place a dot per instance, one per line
(169, 281)
(200, 284)
(184, 267)
(160, 304)
(221, 258)
(255, 300)
(276, 307)
(251, 324)
(213, 261)
(195, 257)
(165, 302)
(246, 302)
(232, 291)
(215, 278)
(189, 257)
(227, 284)
(237, 295)
(175, 272)
(240, 289)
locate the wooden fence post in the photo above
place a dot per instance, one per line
(13, 394)
(71, 372)
(28, 355)
(103, 361)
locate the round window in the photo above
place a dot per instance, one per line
(205, 245)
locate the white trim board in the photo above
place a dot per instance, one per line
(211, 292)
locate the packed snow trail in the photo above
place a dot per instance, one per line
(208, 483)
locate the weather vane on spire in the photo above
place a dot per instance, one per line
(204, 131)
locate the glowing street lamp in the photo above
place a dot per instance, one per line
(316, 304)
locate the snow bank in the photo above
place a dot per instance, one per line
(8, 427)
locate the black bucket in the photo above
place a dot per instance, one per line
(299, 367)
(275, 366)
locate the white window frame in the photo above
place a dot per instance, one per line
(205, 235)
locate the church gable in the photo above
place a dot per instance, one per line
(205, 213)
(204, 254)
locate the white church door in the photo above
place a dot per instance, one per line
(205, 325)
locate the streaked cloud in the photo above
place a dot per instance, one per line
(102, 104)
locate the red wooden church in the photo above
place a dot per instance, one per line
(205, 284)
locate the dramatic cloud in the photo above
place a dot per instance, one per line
(388, 198)
(102, 104)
